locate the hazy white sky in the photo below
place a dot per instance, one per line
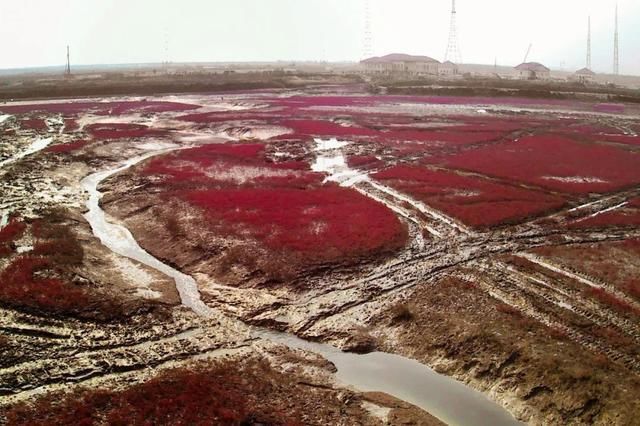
(35, 32)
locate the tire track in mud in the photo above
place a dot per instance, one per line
(519, 299)
(79, 366)
(401, 276)
(78, 335)
(571, 300)
(580, 277)
(423, 208)
(591, 208)
(105, 371)
(482, 247)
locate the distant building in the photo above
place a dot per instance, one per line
(533, 71)
(400, 63)
(448, 68)
(584, 75)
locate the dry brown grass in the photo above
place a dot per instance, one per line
(402, 312)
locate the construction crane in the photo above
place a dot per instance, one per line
(526, 56)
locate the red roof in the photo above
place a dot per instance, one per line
(532, 66)
(398, 57)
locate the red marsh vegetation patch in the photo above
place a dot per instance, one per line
(67, 147)
(102, 108)
(494, 123)
(222, 393)
(447, 137)
(70, 125)
(584, 131)
(40, 281)
(412, 133)
(35, 281)
(622, 139)
(476, 202)
(398, 137)
(322, 224)
(317, 110)
(608, 299)
(554, 162)
(228, 165)
(283, 206)
(433, 141)
(609, 108)
(302, 128)
(616, 263)
(364, 162)
(624, 216)
(24, 284)
(226, 116)
(10, 233)
(122, 131)
(585, 128)
(37, 124)
(346, 101)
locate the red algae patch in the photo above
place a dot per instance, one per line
(476, 202)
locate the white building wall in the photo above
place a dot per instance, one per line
(416, 68)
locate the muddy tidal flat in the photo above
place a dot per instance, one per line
(319, 255)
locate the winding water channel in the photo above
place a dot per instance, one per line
(406, 379)
(120, 240)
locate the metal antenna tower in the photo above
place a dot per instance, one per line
(67, 70)
(166, 48)
(526, 55)
(453, 50)
(616, 51)
(368, 38)
(589, 44)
